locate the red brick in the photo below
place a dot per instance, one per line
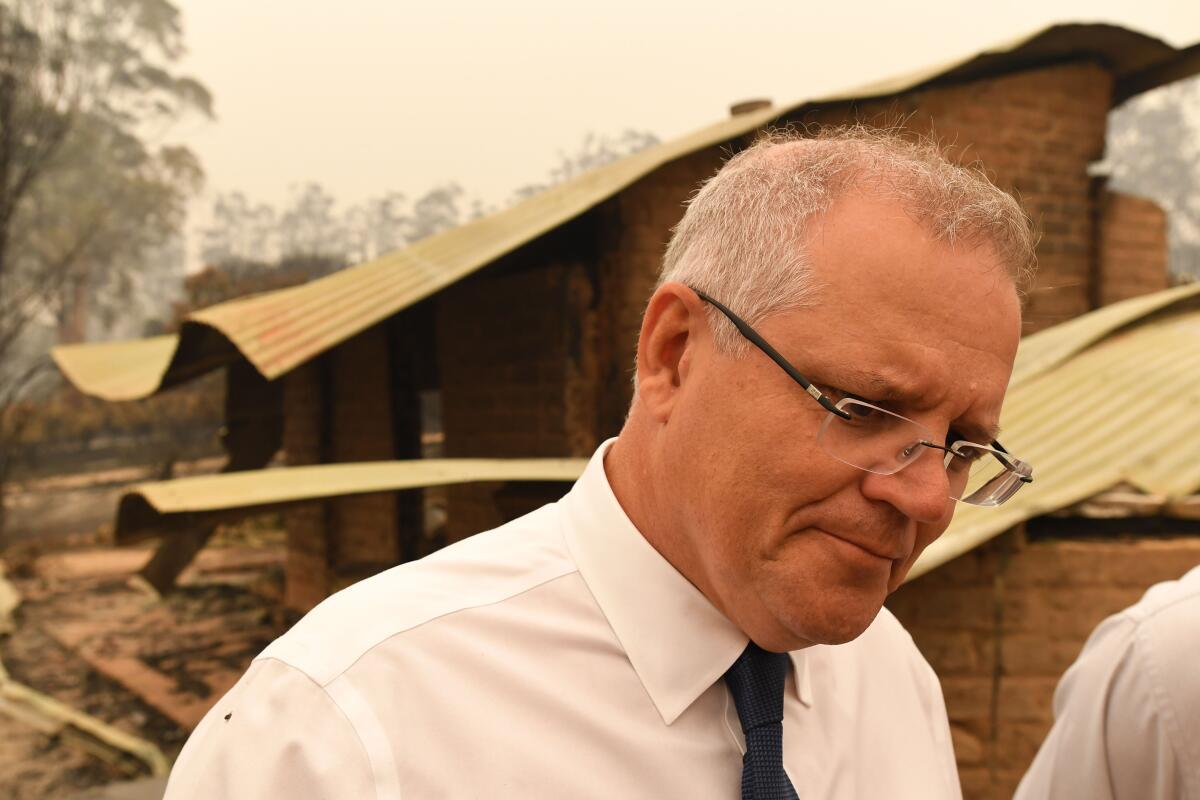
(951, 652)
(1132, 247)
(955, 607)
(968, 698)
(1038, 654)
(1068, 611)
(976, 783)
(361, 420)
(1026, 699)
(968, 749)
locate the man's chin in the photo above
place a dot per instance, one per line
(844, 634)
(834, 626)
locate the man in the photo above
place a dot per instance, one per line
(700, 617)
(1127, 712)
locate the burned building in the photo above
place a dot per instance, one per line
(512, 336)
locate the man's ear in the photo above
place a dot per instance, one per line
(672, 327)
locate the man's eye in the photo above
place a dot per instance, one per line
(860, 411)
(965, 457)
(836, 394)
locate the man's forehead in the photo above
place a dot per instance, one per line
(904, 390)
(876, 266)
(908, 367)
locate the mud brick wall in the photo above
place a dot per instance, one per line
(536, 352)
(1001, 624)
(636, 225)
(338, 408)
(304, 441)
(367, 539)
(413, 365)
(1034, 133)
(516, 348)
(1132, 250)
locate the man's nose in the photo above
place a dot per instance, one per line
(920, 491)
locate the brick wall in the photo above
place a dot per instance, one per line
(340, 408)
(516, 364)
(304, 438)
(253, 430)
(367, 539)
(636, 225)
(1035, 132)
(414, 364)
(1001, 624)
(1132, 252)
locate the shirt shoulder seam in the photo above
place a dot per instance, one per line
(362, 746)
(410, 628)
(1141, 616)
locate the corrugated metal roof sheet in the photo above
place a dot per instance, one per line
(279, 330)
(1124, 410)
(1044, 349)
(151, 507)
(116, 370)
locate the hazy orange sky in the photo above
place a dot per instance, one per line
(367, 96)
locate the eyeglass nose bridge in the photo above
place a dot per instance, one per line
(933, 446)
(924, 443)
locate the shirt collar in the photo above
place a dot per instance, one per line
(678, 643)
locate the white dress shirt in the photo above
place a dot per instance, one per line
(1127, 712)
(559, 656)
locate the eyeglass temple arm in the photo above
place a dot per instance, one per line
(1008, 462)
(773, 354)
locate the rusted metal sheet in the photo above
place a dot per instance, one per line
(280, 330)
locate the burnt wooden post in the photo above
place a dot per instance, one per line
(252, 435)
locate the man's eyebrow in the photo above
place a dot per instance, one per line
(878, 385)
(980, 434)
(883, 387)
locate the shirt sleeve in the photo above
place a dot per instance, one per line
(276, 734)
(1109, 740)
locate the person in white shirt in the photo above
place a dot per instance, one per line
(1127, 712)
(818, 381)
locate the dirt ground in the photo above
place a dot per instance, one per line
(88, 636)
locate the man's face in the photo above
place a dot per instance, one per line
(794, 546)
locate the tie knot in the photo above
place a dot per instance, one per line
(756, 682)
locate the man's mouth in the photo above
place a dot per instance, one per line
(871, 551)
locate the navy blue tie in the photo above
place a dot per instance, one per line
(756, 682)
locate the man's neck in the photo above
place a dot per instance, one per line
(635, 474)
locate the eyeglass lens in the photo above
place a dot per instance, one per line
(877, 440)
